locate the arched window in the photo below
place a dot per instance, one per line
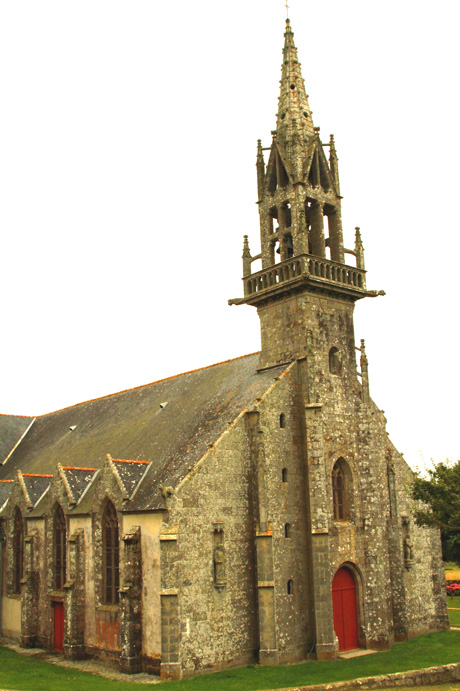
(342, 491)
(284, 474)
(290, 587)
(18, 551)
(335, 361)
(59, 548)
(287, 530)
(283, 420)
(111, 555)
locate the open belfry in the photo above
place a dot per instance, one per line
(252, 510)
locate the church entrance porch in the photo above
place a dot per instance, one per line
(344, 609)
(58, 621)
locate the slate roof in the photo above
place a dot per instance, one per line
(168, 423)
(12, 427)
(5, 488)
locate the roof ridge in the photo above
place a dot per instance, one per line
(35, 475)
(28, 417)
(141, 386)
(123, 460)
(6, 480)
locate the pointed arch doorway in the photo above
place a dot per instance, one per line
(344, 609)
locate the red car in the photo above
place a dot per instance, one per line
(453, 589)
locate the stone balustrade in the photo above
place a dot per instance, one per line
(308, 266)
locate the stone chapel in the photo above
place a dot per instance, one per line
(252, 510)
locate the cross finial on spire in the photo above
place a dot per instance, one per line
(287, 9)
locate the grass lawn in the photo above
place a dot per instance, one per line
(437, 687)
(23, 673)
(454, 616)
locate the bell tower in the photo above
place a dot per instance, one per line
(302, 251)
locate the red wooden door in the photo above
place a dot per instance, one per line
(344, 609)
(58, 626)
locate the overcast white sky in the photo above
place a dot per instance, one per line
(127, 180)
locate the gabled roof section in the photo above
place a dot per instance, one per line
(168, 423)
(77, 481)
(5, 490)
(278, 169)
(316, 168)
(308, 160)
(12, 427)
(130, 473)
(34, 486)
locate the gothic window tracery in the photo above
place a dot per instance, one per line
(111, 555)
(59, 548)
(342, 491)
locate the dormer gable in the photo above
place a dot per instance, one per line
(317, 173)
(277, 175)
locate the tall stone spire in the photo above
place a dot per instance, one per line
(294, 124)
(301, 241)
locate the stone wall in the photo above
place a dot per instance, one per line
(209, 606)
(128, 633)
(149, 597)
(266, 489)
(280, 433)
(340, 420)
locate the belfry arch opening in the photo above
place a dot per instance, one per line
(284, 216)
(335, 361)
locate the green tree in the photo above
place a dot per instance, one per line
(439, 490)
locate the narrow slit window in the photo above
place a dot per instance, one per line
(111, 555)
(59, 548)
(18, 552)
